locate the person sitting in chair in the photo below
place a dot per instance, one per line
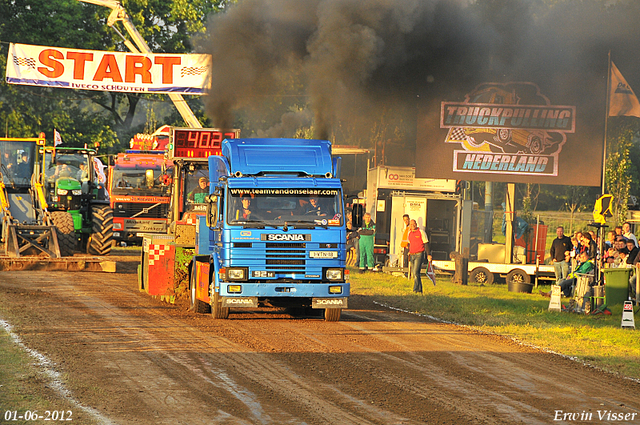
(586, 266)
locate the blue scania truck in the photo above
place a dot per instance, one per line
(274, 234)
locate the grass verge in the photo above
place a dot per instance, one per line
(23, 386)
(598, 340)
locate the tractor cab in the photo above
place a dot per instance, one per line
(67, 179)
(72, 186)
(17, 159)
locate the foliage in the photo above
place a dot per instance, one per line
(618, 174)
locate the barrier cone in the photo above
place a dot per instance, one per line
(628, 322)
(554, 304)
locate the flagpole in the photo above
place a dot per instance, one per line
(606, 121)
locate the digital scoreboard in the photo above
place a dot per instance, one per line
(199, 142)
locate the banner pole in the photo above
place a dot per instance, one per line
(606, 121)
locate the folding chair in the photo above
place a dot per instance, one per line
(584, 282)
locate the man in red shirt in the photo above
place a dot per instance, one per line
(418, 247)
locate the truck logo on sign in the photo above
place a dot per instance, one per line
(285, 237)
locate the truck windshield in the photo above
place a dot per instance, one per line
(293, 206)
(150, 181)
(196, 187)
(16, 162)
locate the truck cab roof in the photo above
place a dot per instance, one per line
(278, 156)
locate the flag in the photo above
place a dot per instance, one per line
(57, 140)
(622, 101)
(98, 166)
(602, 209)
(431, 274)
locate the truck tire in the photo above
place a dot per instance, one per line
(101, 240)
(67, 239)
(332, 314)
(481, 275)
(517, 276)
(217, 311)
(195, 304)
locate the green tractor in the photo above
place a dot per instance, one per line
(77, 200)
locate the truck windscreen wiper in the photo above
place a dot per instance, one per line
(304, 224)
(246, 224)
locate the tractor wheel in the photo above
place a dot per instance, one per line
(67, 239)
(101, 239)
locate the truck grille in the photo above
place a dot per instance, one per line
(122, 209)
(285, 257)
(285, 262)
(286, 245)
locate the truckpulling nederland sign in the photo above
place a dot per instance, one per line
(107, 71)
(512, 133)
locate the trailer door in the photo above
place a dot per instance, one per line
(416, 207)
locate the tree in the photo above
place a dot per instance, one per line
(618, 175)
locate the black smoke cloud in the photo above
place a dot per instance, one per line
(358, 60)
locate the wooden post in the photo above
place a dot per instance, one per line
(461, 261)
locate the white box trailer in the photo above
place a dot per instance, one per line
(433, 203)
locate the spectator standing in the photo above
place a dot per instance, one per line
(618, 230)
(633, 252)
(611, 238)
(590, 246)
(405, 242)
(366, 233)
(626, 232)
(418, 248)
(560, 245)
(352, 240)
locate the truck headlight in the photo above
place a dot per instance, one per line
(62, 192)
(77, 192)
(334, 274)
(237, 273)
(335, 289)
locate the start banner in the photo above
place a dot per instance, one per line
(108, 71)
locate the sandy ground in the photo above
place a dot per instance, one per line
(132, 359)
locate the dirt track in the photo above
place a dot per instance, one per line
(134, 359)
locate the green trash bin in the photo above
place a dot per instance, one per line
(616, 285)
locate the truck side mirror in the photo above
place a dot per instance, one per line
(212, 210)
(357, 214)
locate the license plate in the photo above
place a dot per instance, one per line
(262, 273)
(323, 254)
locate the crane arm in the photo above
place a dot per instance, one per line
(120, 14)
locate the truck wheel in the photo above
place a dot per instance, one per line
(101, 239)
(517, 276)
(217, 311)
(332, 314)
(481, 275)
(67, 240)
(195, 304)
